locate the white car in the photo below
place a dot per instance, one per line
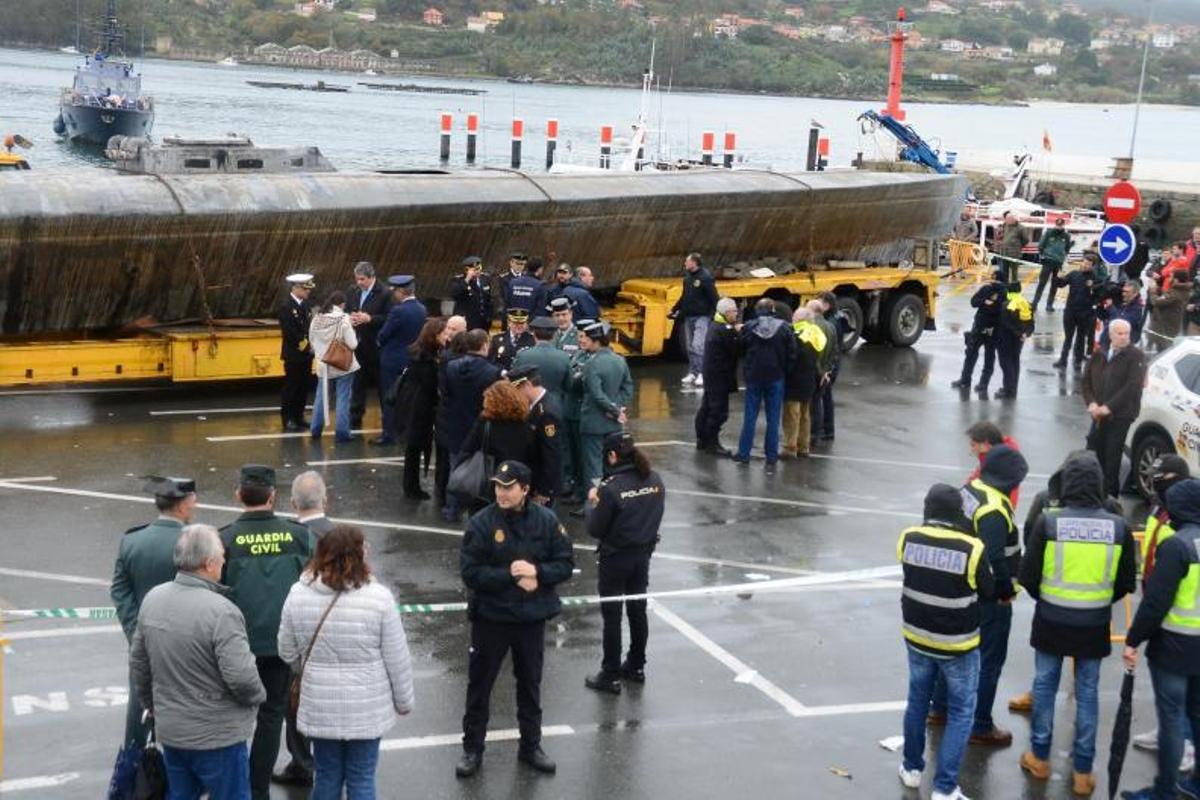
(1170, 418)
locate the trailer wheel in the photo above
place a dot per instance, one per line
(904, 316)
(1160, 210)
(854, 316)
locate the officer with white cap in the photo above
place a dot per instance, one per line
(296, 353)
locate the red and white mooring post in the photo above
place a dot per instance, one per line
(551, 141)
(606, 137)
(707, 143)
(518, 135)
(447, 124)
(472, 132)
(730, 148)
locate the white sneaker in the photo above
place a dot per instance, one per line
(957, 794)
(910, 777)
(1147, 741)
(699, 381)
(1188, 762)
(688, 379)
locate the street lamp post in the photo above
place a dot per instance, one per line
(1137, 109)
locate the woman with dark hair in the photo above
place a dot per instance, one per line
(416, 404)
(501, 430)
(341, 632)
(332, 323)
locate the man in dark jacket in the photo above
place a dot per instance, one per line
(403, 326)
(367, 304)
(512, 340)
(1052, 250)
(546, 426)
(769, 346)
(513, 556)
(1129, 307)
(1079, 315)
(472, 294)
(695, 307)
(146, 559)
(579, 292)
(1015, 328)
(1112, 389)
(720, 378)
(264, 556)
(624, 514)
(1068, 569)
(802, 383)
(517, 287)
(829, 363)
(1168, 619)
(988, 302)
(295, 351)
(466, 378)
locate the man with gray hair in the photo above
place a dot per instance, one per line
(1112, 389)
(193, 671)
(719, 374)
(367, 304)
(308, 500)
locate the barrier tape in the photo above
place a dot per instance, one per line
(96, 613)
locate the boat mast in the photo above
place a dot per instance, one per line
(112, 39)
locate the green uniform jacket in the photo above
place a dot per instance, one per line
(264, 556)
(145, 559)
(573, 399)
(607, 387)
(567, 341)
(554, 366)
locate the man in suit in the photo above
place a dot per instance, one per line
(506, 345)
(367, 304)
(404, 323)
(472, 294)
(296, 352)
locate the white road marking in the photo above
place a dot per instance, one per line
(394, 461)
(36, 479)
(52, 576)
(506, 735)
(965, 470)
(183, 412)
(251, 437)
(664, 443)
(743, 673)
(854, 708)
(796, 503)
(56, 633)
(39, 782)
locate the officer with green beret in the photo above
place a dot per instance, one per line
(145, 559)
(553, 365)
(264, 556)
(607, 391)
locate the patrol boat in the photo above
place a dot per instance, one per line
(105, 98)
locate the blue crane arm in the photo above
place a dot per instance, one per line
(914, 148)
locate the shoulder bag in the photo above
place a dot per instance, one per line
(294, 689)
(470, 478)
(338, 355)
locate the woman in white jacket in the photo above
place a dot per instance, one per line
(359, 673)
(330, 323)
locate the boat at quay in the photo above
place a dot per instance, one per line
(96, 250)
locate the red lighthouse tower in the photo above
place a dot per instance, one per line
(898, 31)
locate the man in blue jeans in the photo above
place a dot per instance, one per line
(1169, 619)
(1078, 561)
(945, 574)
(769, 345)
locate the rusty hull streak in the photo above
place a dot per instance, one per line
(89, 250)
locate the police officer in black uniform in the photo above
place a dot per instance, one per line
(513, 556)
(518, 287)
(988, 302)
(513, 340)
(296, 352)
(624, 513)
(472, 294)
(545, 421)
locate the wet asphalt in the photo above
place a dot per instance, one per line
(781, 695)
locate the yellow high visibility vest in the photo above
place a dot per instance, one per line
(1079, 566)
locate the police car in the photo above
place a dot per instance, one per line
(1170, 418)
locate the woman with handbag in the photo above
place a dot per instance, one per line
(501, 432)
(333, 342)
(352, 673)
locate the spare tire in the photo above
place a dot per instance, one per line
(1160, 210)
(1155, 235)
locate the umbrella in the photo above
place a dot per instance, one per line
(124, 773)
(1120, 735)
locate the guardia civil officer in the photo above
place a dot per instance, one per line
(295, 351)
(624, 514)
(575, 490)
(515, 338)
(264, 556)
(545, 422)
(946, 574)
(399, 332)
(607, 392)
(514, 555)
(145, 559)
(553, 365)
(471, 292)
(1077, 563)
(567, 336)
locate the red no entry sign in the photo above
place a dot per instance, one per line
(1122, 202)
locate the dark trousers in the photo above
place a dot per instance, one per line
(441, 473)
(1078, 328)
(624, 572)
(1107, 440)
(365, 378)
(275, 675)
(1008, 352)
(974, 341)
(995, 623)
(490, 643)
(298, 746)
(388, 376)
(822, 409)
(294, 396)
(712, 414)
(412, 466)
(573, 463)
(1046, 276)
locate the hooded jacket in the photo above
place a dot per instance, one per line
(769, 344)
(1069, 632)
(1003, 470)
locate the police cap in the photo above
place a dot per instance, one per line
(596, 328)
(303, 279)
(472, 261)
(559, 304)
(401, 281)
(518, 255)
(519, 375)
(169, 488)
(258, 475)
(518, 314)
(510, 472)
(543, 324)
(620, 443)
(563, 267)
(584, 324)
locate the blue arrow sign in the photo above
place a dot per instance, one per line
(1116, 244)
